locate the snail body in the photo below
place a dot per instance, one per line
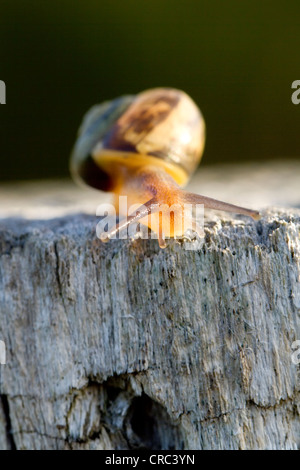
(146, 147)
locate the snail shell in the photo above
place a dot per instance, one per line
(161, 126)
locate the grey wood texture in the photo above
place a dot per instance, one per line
(124, 345)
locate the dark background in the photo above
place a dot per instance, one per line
(237, 59)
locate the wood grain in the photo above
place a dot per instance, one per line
(124, 345)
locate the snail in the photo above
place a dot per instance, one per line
(146, 146)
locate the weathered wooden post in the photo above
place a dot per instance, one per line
(125, 345)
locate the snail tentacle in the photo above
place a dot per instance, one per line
(210, 203)
(149, 207)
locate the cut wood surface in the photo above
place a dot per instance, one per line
(124, 345)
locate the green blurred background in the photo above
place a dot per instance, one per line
(237, 59)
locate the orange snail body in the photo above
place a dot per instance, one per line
(146, 147)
